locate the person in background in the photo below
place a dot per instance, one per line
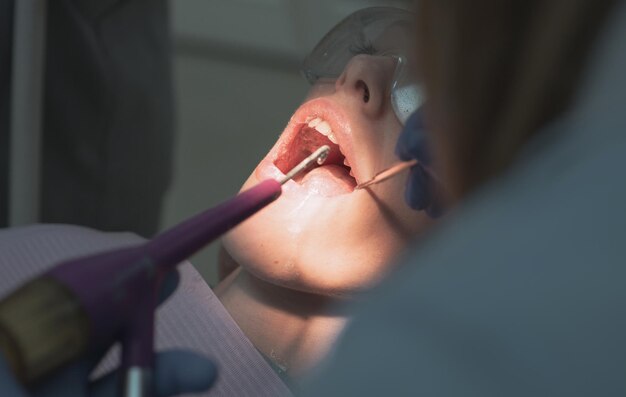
(108, 113)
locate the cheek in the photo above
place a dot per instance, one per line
(377, 141)
(357, 254)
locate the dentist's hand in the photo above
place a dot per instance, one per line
(423, 191)
(175, 372)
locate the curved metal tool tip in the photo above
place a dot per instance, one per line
(387, 173)
(319, 156)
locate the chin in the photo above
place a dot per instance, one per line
(322, 236)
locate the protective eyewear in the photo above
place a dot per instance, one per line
(377, 31)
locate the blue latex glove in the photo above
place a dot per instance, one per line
(176, 372)
(423, 191)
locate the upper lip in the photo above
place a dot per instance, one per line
(339, 123)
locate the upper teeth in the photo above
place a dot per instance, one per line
(323, 128)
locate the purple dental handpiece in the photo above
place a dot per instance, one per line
(83, 305)
(126, 302)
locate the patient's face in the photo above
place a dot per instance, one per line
(321, 235)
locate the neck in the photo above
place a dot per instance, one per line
(293, 329)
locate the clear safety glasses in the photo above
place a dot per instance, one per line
(378, 31)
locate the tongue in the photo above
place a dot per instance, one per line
(328, 180)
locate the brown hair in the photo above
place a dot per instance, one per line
(494, 72)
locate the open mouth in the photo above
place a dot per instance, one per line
(332, 178)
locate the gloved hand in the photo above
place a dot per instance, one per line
(423, 190)
(176, 372)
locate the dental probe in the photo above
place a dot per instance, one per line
(387, 173)
(81, 306)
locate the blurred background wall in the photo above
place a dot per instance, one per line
(237, 82)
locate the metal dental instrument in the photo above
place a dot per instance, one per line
(319, 156)
(387, 173)
(84, 304)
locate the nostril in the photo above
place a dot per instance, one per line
(361, 86)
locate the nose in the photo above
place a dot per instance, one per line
(366, 80)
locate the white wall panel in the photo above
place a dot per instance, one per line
(261, 24)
